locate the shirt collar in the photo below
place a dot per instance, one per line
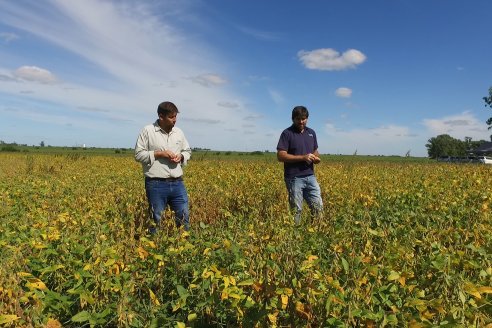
(157, 127)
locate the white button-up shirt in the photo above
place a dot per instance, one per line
(154, 138)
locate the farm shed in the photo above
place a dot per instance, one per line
(485, 148)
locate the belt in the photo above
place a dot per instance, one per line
(170, 179)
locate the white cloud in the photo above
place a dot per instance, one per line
(35, 74)
(343, 92)
(329, 59)
(458, 126)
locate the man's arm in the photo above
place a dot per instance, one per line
(283, 156)
(142, 154)
(317, 159)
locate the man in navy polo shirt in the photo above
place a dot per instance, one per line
(297, 148)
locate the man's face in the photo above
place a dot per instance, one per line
(300, 122)
(167, 122)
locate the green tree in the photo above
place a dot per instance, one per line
(488, 102)
(445, 145)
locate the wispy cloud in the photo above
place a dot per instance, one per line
(8, 36)
(228, 104)
(253, 117)
(329, 59)
(201, 120)
(276, 96)
(7, 78)
(92, 109)
(209, 80)
(458, 126)
(259, 34)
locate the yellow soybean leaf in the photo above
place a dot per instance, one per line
(248, 282)
(285, 301)
(53, 323)
(180, 325)
(36, 284)
(158, 257)
(485, 290)
(142, 253)
(192, 316)
(224, 295)
(153, 298)
(234, 295)
(109, 262)
(312, 258)
(227, 243)
(8, 318)
(226, 281)
(472, 290)
(206, 274)
(393, 276)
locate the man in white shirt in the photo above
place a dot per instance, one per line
(163, 150)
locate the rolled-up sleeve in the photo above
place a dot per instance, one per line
(186, 151)
(142, 152)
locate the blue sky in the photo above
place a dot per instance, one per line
(379, 77)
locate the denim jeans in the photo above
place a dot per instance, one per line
(173, 193)
(304, 188)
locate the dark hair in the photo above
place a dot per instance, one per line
(300, 111)
(165, 108)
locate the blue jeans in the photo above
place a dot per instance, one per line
(304, 188)
(160, 193)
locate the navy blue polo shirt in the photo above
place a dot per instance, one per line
(297, 143)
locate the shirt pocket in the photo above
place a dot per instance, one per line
(178, 145)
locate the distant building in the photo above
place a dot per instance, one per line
(484, 149)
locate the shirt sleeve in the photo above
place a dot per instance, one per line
(142, 153)
(315, 141)
(283, 142)
(185, 151)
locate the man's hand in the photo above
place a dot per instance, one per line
(175, 158)
(311, 158)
